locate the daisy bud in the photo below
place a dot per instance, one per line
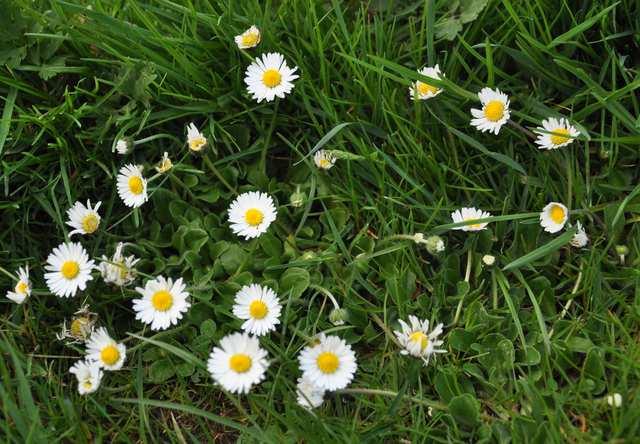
(338, 316)
(434, 245)
(488, 260)
(309, 255)
(124, 146)
(622, 251)
(297, 198)
(614, 400)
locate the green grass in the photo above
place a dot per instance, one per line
(518, 368)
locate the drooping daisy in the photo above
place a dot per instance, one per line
(195, 139)
(69, 269)
(101, 348)
(259, 306)
(84, 220)
(553, 217)
(89, 375)
(22, 290)
(416, 339)
(494, 112)
(465, 214)
(238, 363)
(251, 214)
(118, 270)
(324, 159)
(132, 186)
(580, 239)
(330, 363)
(421, 90)
(124, 146)
(555, 133)
(163, 302)
(248, 39)
(165, 164)
(269, 77)
(309, 395)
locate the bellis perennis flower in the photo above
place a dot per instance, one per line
(269, 77)
(417, 340)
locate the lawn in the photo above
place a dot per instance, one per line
(540, 339)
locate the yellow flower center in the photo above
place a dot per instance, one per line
(162, 300)
(22, 287)
(250, 39)
(78, 327)
(325, 163)
(136, 185)
(557, 214)
(425, 88)
(240, 363)
(494, 110)
(271, 78)
(419, 337)
(327, 362)
(473, 226)
(90, 223)
(197, 143)
(87, 384)
(560, 136)
(253, 217)
(123, 270)
(70, 269)
(258, 309)
(110, 354)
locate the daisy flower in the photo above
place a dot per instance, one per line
(124, 146)
(494, 112)
(580, 239)
(251, 214)
(163, 302)
(84, 220)
(259, 306)
(69, 269)
(165, 164)
(81, 328)
(88, 374)
(118, 270)
(132, 186)
(269, 76)
(330, 363)
(109, 354)
(416, 339)
(195, 139)
(309, 395)
(248, 39)
(424, 91)
(553, 217)
(465, 214)
(238, 363)
(22, 290)
(324, 159)
(555, 133)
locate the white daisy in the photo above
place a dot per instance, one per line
(118, 270)
(330, 363)
(269, 76)
(165, 164)
(416, 339)
(259, 306)
(22, 290)
(163, 302)
(109, 354)
(84, 220)
(248, 39)
(124, 146)
(553, 217)
(421, 90)
(69, 269)
(195, 139)
(580, 239)
(614, 400)
(88, 374)
(555, 133)
(238, 363)
(309, 395)
(132, 186)
(251, 214)
(324, 159)
(466, 214)
(494, 112)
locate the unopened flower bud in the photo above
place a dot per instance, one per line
(614, 400)
(434, 244)
(488, 260)
(297, 199)
(124, 146)
(338, 316)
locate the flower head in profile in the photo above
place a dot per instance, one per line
(417, 340)
(260, 308)
(248, 39)
(89, 375)
(118, 270)
(195, 139)
(553, 217)
(580, 239)
(330, 363)
(132, 186)
(309, 395)
(68, 269)
(324, 159)
(124, 146)
(83, 219)
(22, 290)
(555, 133)
(163, 302)
(423, 91)
(251, 214)
(238, 363)
(81, 326)
(494, 113)
(165, 164)
(102, 349)
(469, 214)
(269, 77)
